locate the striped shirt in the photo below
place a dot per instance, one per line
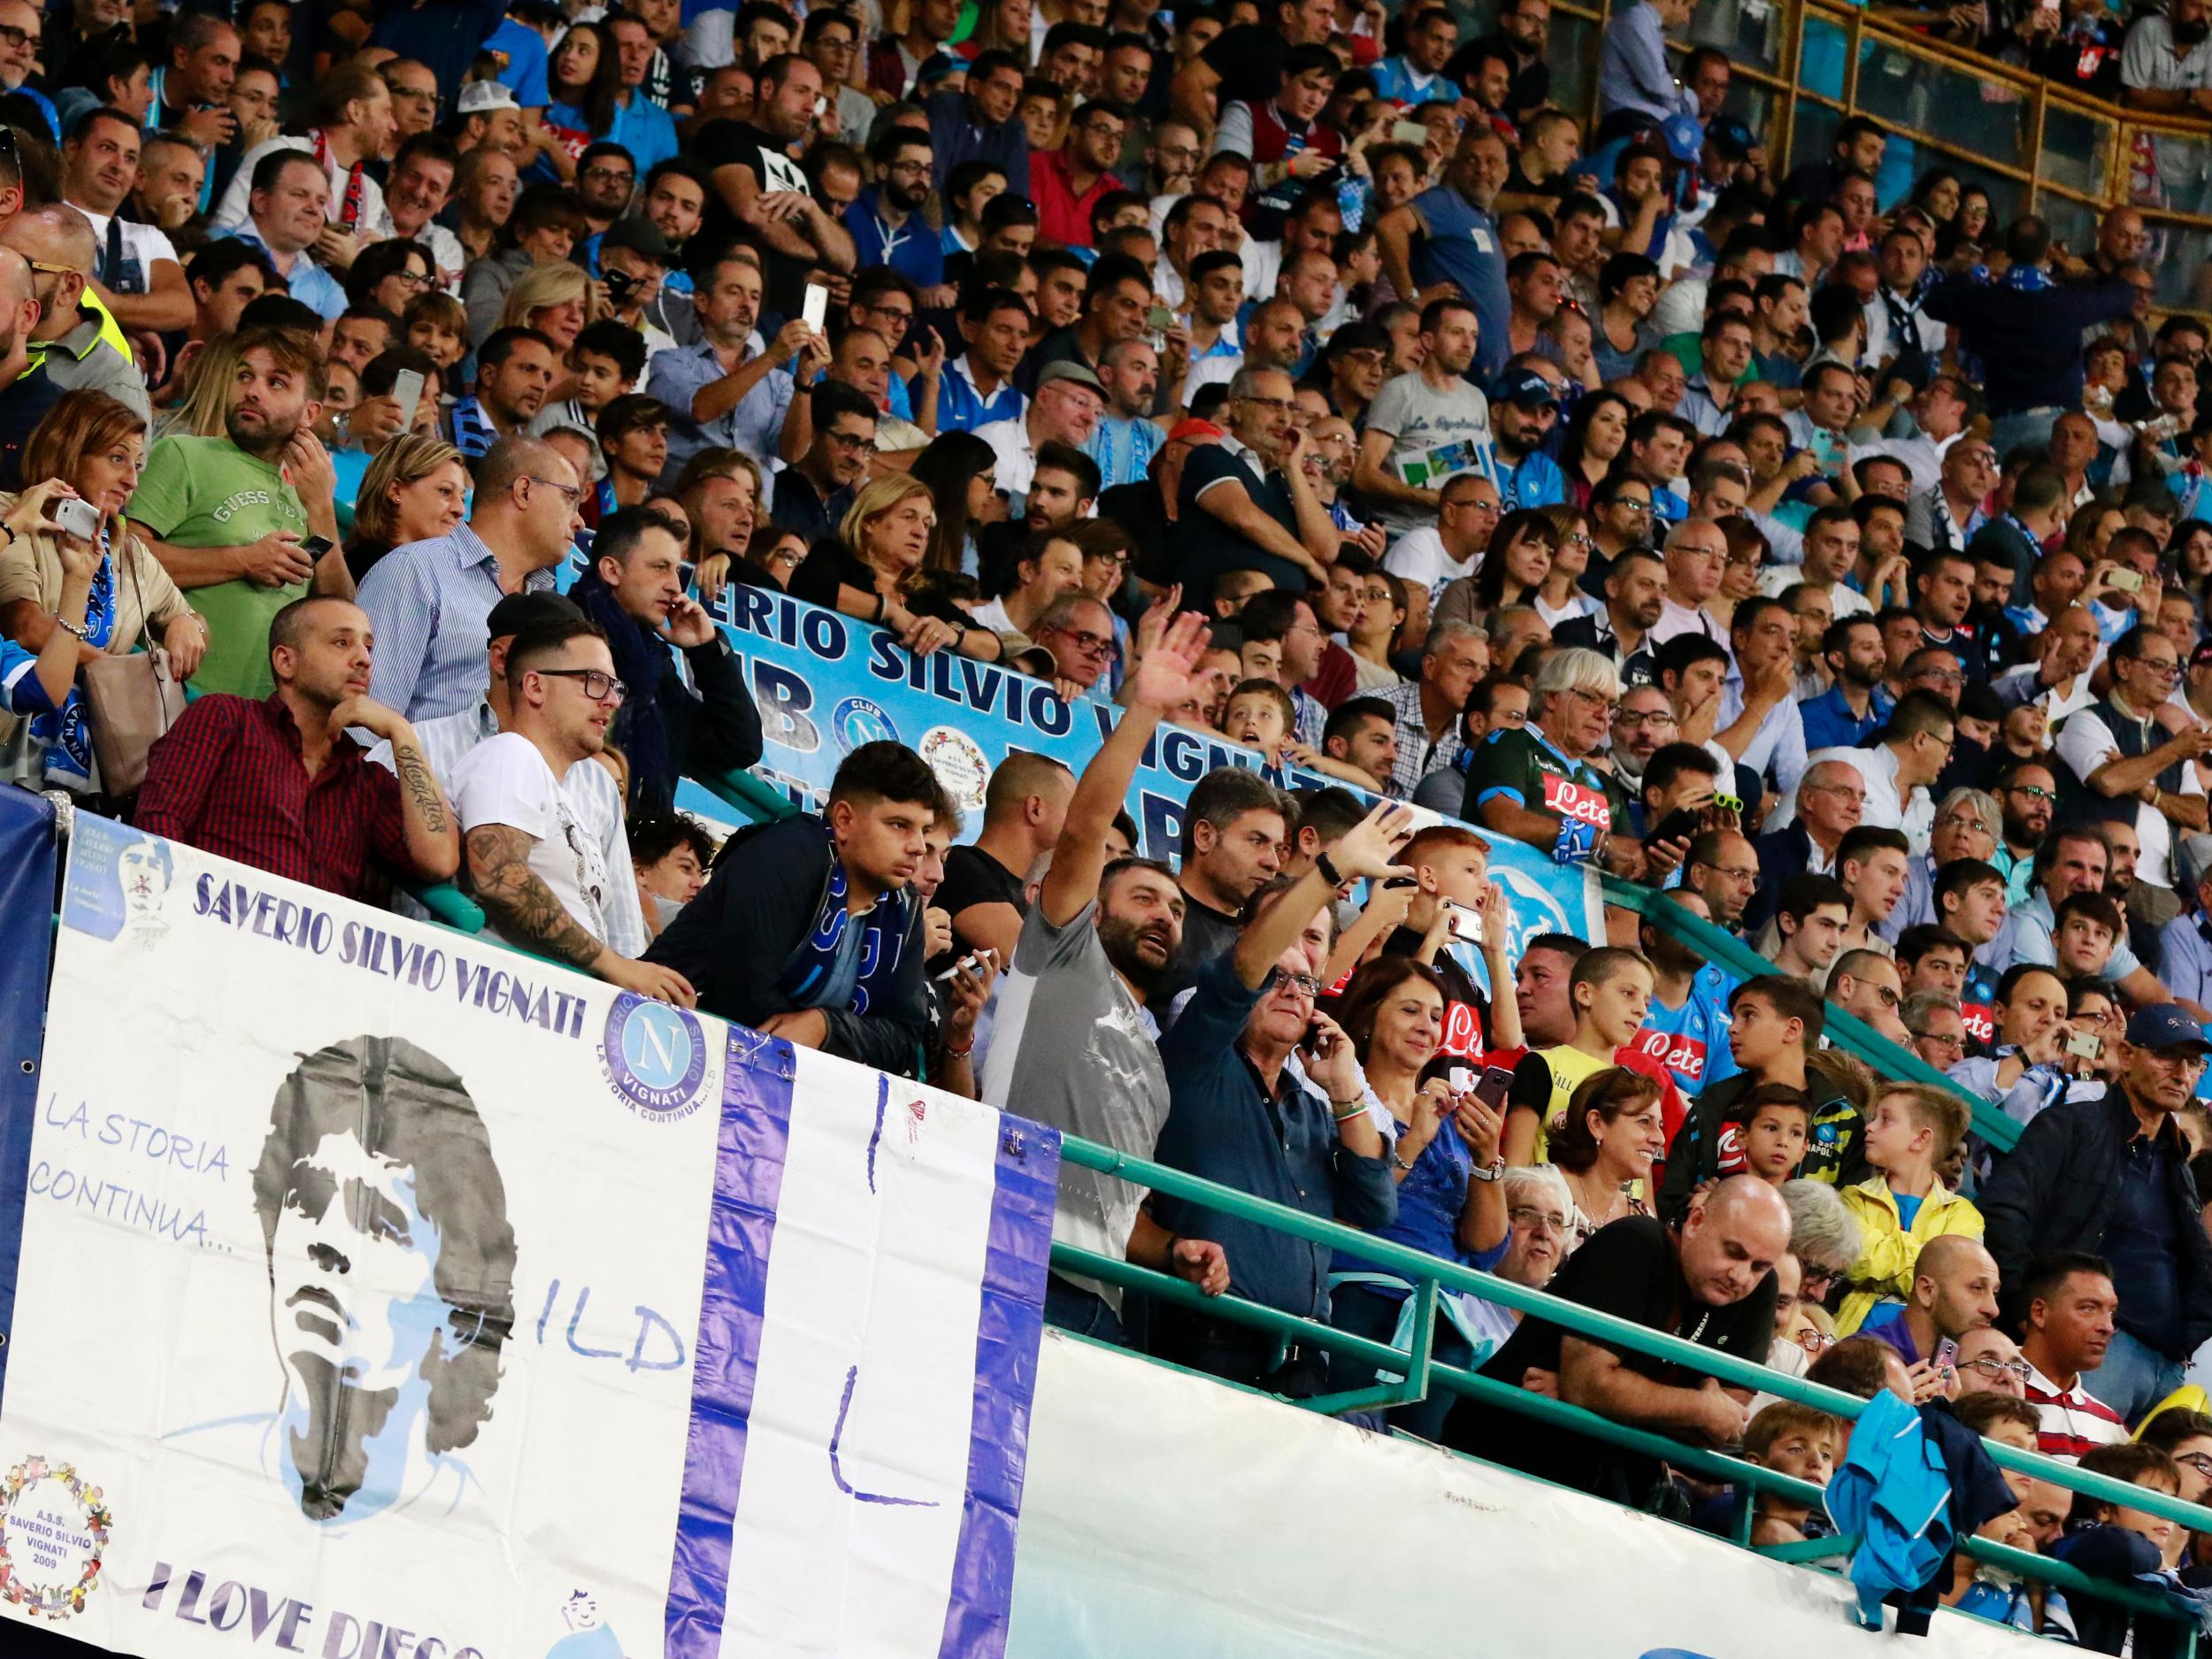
(2074, 1421)
(429, 602)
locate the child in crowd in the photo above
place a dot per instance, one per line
(437, 325)
(1259, 717)
(1791, 1440)
(1916, 1127)
(604, 365)
(2111, 1540)
(1776, 1124)
(2087, 926)
(1610, 989)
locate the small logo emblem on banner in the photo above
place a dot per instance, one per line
(53, 1527)
(654, 1056)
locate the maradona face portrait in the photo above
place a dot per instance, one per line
(391, 1275)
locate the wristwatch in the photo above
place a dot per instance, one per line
(1494, 1172)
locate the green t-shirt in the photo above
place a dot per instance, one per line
(1517, 764)
(207, 492)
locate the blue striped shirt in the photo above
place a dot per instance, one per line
(1123, 449)
(429, 603)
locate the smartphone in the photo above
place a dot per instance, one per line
(407, 393)
(815, 310)
(973, 960)
(2126, 581)
(1159, 319)
(1462, 922)
(1490, 1090)
(1401, 881)
(79, 518)
(1947, 1354)
(2085, 1045)
(315, 546)
(1677, 826)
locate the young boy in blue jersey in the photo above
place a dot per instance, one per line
(1685, 1027)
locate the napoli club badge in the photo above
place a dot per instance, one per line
(655, 1056)
(959, 764)
(53, 1527)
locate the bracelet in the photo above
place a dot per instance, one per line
(81, 633)
(1327, 867)
(1358, 1108)
(1400, 1162)
(10, 528)
(961, 1054)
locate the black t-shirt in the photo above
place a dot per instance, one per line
(1208, 545)
(1249, 60)
(828, 564)
(1137, 507)
(1466, 1010)
(1206, 933)
(727, 143)
(973, 877)
(1630, 1269)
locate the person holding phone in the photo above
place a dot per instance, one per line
(1446, 1123)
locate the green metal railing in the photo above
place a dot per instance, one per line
(1418, 1373)
(1846, 1031)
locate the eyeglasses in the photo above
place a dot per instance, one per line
(1538, 1220)
(2033, 791)
(1936, 1039)
(1089, 644)
(2202, 1462)
(2178, 1060)
(1813, 1341)
(1642, 508)
(622, 173)
(2164, 671)
(1279, 405)
(1304, 984)
(1990, 1367)
(1591, 697)
(17, 38)
(1843, 790)
(598, 687)
(574, 492)
(412, 278)
(1511, 717)
(1943, 676)
(852, 441)
(1628, 718)
(1745, 878)
(1815, 1279)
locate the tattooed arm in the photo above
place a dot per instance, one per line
(523, 908)
(433, 836)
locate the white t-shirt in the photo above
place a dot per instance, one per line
(143, 244)
(1417, 557)
(1016, 466)
(2085, 743)
(505, 779)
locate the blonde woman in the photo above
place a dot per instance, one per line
(92, 447)
(556, 299)
(417, 488)
(204, 399)
(870, 570)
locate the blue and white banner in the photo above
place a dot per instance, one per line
(386, 1295)
(826, 683)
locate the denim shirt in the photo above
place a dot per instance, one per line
(1223, 1124)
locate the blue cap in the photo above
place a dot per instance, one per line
(1525, 388)
(1683, 137)
(1729, 138)
(2164, 1025)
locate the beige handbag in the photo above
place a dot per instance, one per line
(130, 702)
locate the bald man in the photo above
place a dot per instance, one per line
(26, 390)
(1954, 1291)
(1710, 1282)
(75, 335)
(430, 601)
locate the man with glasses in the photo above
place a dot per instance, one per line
(72, 337)
(1696, 556)
(429, 600)
(1642, 726)
(1079, 632)
(813, 493)
(606, 177)
(2119, 764)
(883, 221)
(1897, 771)
(1246, 502)
(2113, 1173)
(415, 100)
(1938, 1028)
(1954, 1291)
(547, 881)
(1864, 983)
(1620, 518)
(1066, 183)
(725, 394)
(1429, 556)
(1723, 870)
(2027, 796)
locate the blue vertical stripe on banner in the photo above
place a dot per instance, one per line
(26, 935)
(1009, 1326)
(756, 1133)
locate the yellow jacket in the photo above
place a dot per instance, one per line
(1888, 1250)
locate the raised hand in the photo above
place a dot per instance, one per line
(1368, 848)
(1166, 675)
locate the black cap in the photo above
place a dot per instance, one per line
(641, 236)
(517, 613)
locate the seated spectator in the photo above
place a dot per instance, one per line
(1897, 771)
(670, 857)
(1247, 502)
(874, 570)
(227, 517)
(2112, 1174)
(1430, 710)
(1989, 1361)
(1711, 1281)
(429, 600)
(1444, 1154)
(2068, 1328)
(806, 931)
(1914, 1130)
(1048, 566)
(415, 490)
(1605, 1143)
(1089, 956)
(1954, 1292)
(1809, 921)
(1539, 1224)
(550, 878)
(1536, 784)
(1791, 1440)
(702, 723)
(2076, 859)
(1990, 1593)
(2113, 1541)
(279, 784)
(287, 208)
(91, 447)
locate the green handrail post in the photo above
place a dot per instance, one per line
(449, 905)
(759, 801)
(1413, 1379)
(1848, 1030)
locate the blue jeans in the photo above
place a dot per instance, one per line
(1085, 1312)
(2134, 1377)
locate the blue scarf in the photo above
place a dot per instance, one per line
(816, 958)
(63, 733)
(641, 658)
(2021, 279)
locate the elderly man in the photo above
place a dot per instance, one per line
(1697, 555)
(1832, 798)
(1535, 783)
(1246, 502)
(1954, 1291)
(1065, 410)
(1710, 1282)
(1897, 771)
(2112, 1175)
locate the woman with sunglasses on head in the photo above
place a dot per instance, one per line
(1445, 1157)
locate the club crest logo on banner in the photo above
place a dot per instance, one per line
(442, 1289)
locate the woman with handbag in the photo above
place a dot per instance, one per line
(90, 448)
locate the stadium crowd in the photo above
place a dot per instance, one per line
(420, 385)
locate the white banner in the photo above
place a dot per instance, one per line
(1169, 1515)
(386, 1295)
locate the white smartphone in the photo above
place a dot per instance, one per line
(817, 309)
(79, 519)
(971, 961)
(1462, 922)
(407, 393)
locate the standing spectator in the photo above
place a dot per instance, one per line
(1897, 771)
(1073, 1039)
(227, 517)
(278, 783)
(1234, 831)
(2113, 1174)
(547, 885)
(1239, 1114)
(807, 929)
(1025, 807)
(429, 600)
(666, 729)
(1425, 428)
(1636, 87)
(1446, 235)
(726, 394)
(2069, 1304)
(1710, 1281)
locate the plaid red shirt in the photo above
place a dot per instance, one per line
(228, 777)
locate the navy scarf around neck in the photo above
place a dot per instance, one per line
(881, 946)
(641, 657)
